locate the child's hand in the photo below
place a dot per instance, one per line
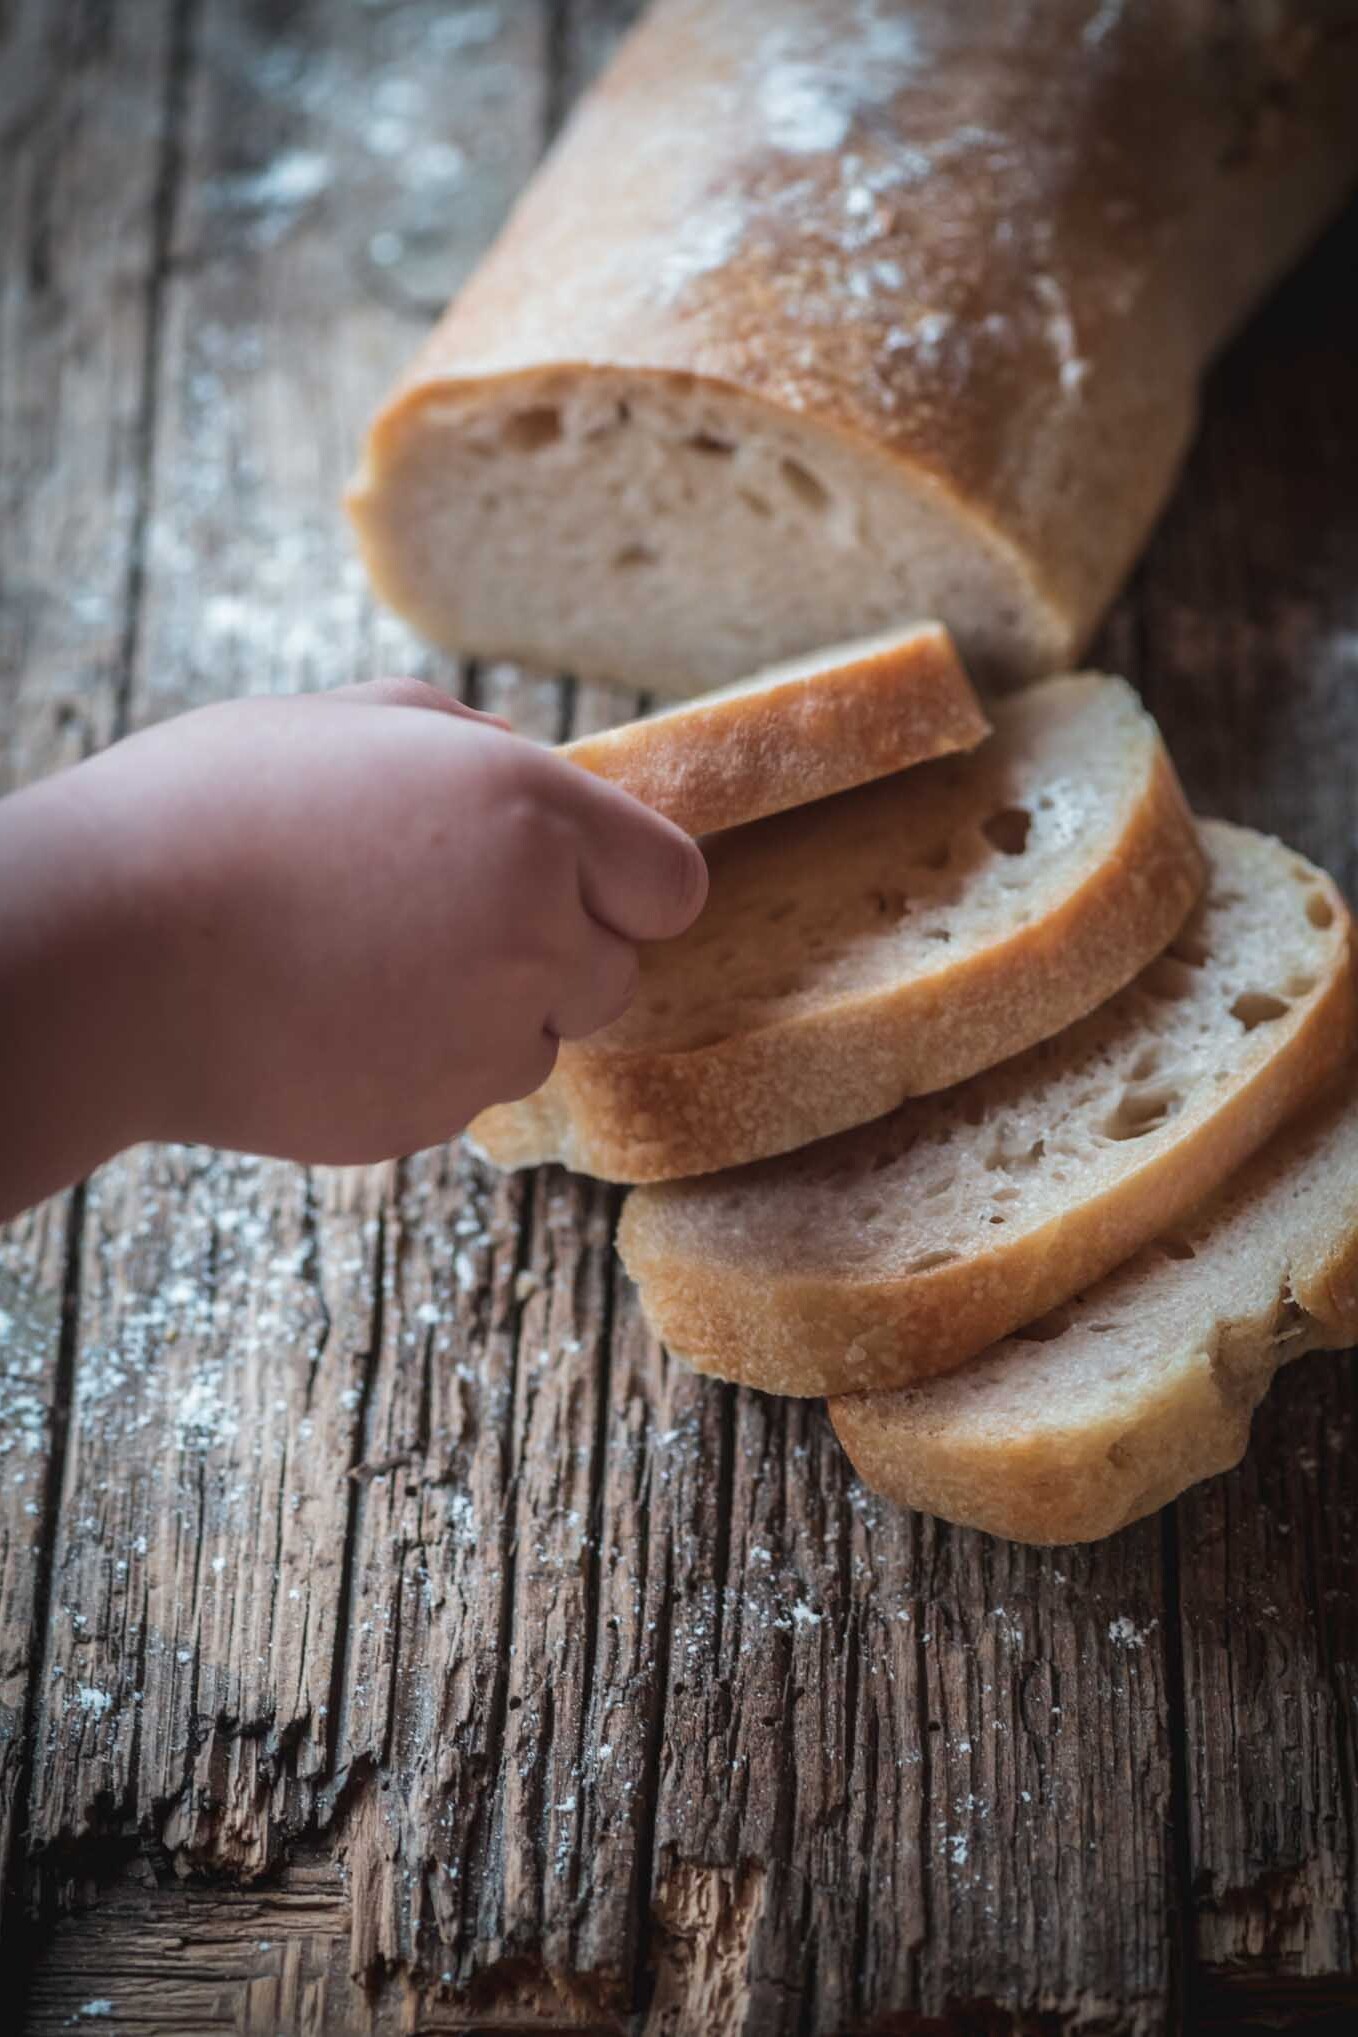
(331, 927)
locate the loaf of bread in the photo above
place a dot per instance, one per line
(881, 945)
(828, 314)
(1112, 1406)
(900, 1250)
(796, 732)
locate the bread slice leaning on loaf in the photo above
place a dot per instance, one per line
(883, 944)
(796, 732)
(1112, 1406)
(822, 315)
(900, 1250)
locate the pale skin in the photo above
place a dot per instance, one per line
(330, 928)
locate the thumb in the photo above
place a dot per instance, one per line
(409, 693)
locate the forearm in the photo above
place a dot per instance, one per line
(76, 999)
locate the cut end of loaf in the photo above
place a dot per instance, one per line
(664, 532)
(796, 732)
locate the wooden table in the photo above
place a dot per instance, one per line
(375, 1599)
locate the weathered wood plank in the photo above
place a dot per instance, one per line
(35, 1260)
(1249, 616)
(86, 108)
(179, 1959)
(221, 1366)
(1270, 1622)
(329, 169)
(86, 102)
(950, 1755)
(202, 1564)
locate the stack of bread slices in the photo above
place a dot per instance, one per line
(991, 1096)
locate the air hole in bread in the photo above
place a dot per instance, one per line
(937, 934)
(1319, 910)
(1146, 1065)
(705, 442)
(635, 555)
(1190, 950)
(995, 1217)
(1175, 1248)
(1167, 979)
(890, 905)
(1005, 1195)
(927, 1261)
(1008, 830)
(755, 502)
(805, 486)
(532, 429)
(1046, 1329)
(1139, 1111)
(1256, 1008)
(1299, 986)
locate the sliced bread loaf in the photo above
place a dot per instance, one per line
(823, 314)
(900, 1250)
(1108, 1408)
(796, 732)
(883, 944)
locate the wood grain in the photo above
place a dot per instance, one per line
(420, 1648)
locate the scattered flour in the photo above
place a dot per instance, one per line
(811, 89)
(1071, 367)
(291, 179)
(1124, 1632)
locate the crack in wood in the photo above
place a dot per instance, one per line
(178, 78)
(12, 1923)
(357, 1474)
(1184, 1979)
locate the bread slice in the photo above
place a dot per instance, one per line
(883, 944)
(902, 1249)
(1107, 1409)
(822, 315)
(796, 732)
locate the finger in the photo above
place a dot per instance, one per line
(639, 874)
(599, 989)
(411, 693)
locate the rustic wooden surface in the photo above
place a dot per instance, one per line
(390, 1637)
